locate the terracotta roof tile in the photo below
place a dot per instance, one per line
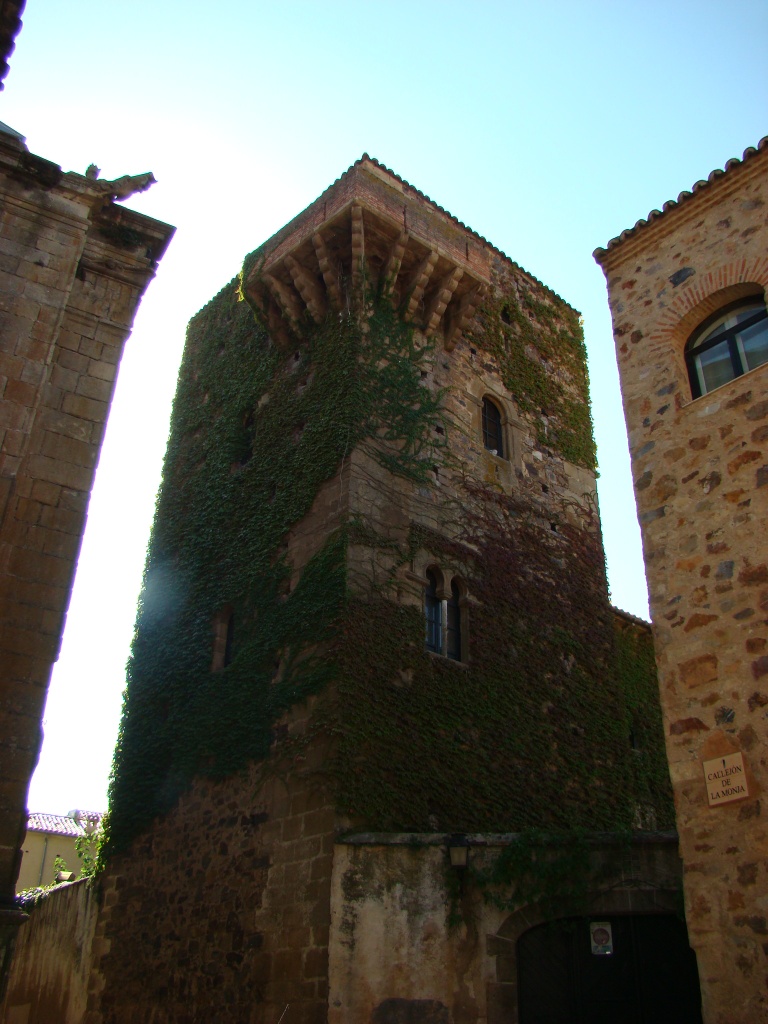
(684, 197)
(629, 617)
(61, 824)
(10, 24)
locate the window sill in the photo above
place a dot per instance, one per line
(451, 661)
(724, 387)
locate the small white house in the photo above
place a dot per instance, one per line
(50, 836)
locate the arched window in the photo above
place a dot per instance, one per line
(492, 432)
(443, 617)
(453, 624)
(727, 345)
(433, 615)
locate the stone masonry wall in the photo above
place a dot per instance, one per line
(51, 965)
(73, 268)
(410, 943)
(534, 471)
(700, 471)
(221, 911)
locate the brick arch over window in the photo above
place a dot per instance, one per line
(700, 298)
(688, 321)
(503, 993)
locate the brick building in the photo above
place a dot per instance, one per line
(687, 294)
(375, 628)
(73, 268)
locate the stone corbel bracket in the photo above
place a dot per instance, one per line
(378, 242)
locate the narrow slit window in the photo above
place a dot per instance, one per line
(444, 617)
(223, 639)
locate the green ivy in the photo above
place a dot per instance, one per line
(532, 733)
(636, 669)
(539, 347)
(255, 432)
(545, 868)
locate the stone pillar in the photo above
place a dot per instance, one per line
(73, 268)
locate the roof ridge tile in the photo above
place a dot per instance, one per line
(717, 173)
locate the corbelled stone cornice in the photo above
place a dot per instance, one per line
(369, 234)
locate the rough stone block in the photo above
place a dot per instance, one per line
(19, 392)
(65, 473)
(68, 449)
(92, 387)
(85, 408)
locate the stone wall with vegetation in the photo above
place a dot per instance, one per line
(416, 940)
(307, 487)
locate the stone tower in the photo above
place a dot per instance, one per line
(374, 616)
(687, 294)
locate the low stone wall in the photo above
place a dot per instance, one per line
(51, 963)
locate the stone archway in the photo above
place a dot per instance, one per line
(627, 899)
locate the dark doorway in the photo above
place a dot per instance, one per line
(649, 977)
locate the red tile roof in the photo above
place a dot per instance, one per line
(629, 617)
(10, 23)
(684, 197)
(62, 824)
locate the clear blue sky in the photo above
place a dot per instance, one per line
(547, 127)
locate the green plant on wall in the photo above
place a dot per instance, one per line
(256, 432)
(636, 670)
(418, 742)
(552, 869)
(542, 359)
(87, 848)
(531, 732)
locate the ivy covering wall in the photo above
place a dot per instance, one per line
(533, 731)
(539, 345)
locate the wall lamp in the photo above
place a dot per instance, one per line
(458, 850)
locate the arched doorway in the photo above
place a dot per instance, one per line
(632, 968)
(635, 903)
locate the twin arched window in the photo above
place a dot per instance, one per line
(727, 345)
(443, 618)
